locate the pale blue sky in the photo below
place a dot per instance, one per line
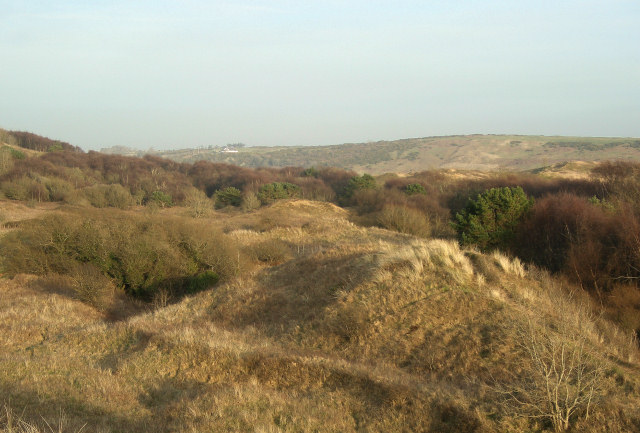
(172, 74)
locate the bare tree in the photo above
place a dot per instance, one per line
(563, 376)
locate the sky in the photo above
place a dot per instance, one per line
(188, 73)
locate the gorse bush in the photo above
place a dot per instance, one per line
(491, 220)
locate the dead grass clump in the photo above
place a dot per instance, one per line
(508, 265)
(484, 267)
(273, 251)
(445, 256)
(12, 422)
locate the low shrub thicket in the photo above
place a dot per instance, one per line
(404, 220)
(596, 247)
(108, 196)
(138, 254)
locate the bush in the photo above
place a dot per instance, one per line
(91, 286)
(404, 220)
(310, 172)
(202, 281)
(359, 183)
(595, 247)
(565, 376)
(7, 157)
(277, 190)
(414, 188)
(108, 196)
(161, 199)
(228, 197)
(16, 154)
(250, 202)
(25, 189)
(490, 221)
(198, 203)
(59, 189)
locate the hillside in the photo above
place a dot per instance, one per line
(331, 327)
(33, 142)
(470, 152)
(142, 294)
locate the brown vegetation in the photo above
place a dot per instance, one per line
(335, 328)
(267, 313)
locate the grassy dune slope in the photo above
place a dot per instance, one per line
(337, 329)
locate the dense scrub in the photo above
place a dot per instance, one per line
(142, 255)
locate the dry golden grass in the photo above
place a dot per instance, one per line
(353, 330)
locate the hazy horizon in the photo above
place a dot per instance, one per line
(177, 74)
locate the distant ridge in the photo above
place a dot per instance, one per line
(28, 140)
(468, 152)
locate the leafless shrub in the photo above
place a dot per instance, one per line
(563, 377)
(90, 285)
(198, 203)
(250, 201)
(404, 220)
(161, 298)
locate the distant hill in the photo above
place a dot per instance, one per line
(470, 152)
(30, 141)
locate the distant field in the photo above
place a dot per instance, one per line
(469, 152)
